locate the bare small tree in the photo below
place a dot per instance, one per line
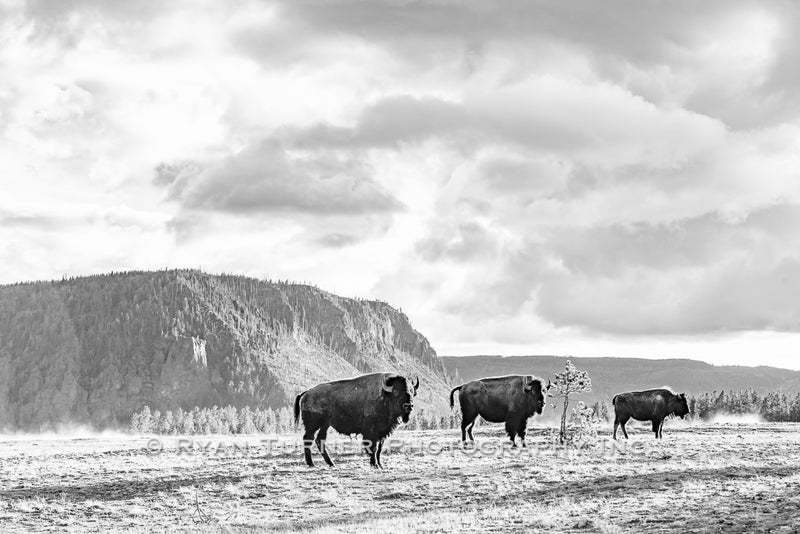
(570, 381)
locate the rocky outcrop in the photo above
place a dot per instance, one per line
(95, 349)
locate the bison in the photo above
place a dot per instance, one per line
(652, 405)
(370, 405)
(511, 399)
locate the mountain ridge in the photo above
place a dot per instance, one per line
(612, 375)
(94, 349)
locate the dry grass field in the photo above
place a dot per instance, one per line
(722, 478)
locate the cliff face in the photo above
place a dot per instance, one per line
(93, 350)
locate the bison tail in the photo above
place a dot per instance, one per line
(452, 403)
(614, 400)
(297, 408)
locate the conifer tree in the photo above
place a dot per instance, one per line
(570, 381)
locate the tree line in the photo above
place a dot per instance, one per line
(230, 420)
(772, 407)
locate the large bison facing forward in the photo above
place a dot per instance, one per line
(369, 405)
(511, 399)
(652, 405)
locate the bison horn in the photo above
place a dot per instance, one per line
(386, 384)
(527, 383)
(415, 383)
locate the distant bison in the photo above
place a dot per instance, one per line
(511, 399)
(652, 405)
(369, 405)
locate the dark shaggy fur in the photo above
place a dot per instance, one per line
(653, 405)
(354, 406)
(500, 399)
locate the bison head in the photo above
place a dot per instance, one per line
(401, 393)
(679, 406)
(533, 387)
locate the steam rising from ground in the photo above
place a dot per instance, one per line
(61, 432)
(80, 431)
(717, 420)
(737, 419)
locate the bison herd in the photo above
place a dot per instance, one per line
(372, 405)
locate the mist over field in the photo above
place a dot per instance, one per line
(63, 432)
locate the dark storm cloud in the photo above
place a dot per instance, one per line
(265, 179)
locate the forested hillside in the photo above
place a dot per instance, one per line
(614, 375)
(95, 349)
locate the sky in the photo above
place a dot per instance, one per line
(523, 177)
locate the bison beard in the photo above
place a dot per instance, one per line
(370, 405)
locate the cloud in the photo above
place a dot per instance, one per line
(36, 219)
(10, 220)
(734, 61)
(701, 275)
(43, 10)
(506, 173)
(730, 295)
(337, 240)
(390, 121)
(266, 179)
(593, 123)
(467, 241)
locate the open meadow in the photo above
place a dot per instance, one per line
(726, 478)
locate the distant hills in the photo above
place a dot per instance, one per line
(614, 375)
(95, 349)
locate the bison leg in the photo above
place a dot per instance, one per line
(371, 448)
(621, 423)
(322, 436)
(521, 432)
(378, 454)
(308, 440)
(661, 429)
(467, 422)
(511, 430)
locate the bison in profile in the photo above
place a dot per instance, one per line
(370, 405)
(651, 405)
(511, 399)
